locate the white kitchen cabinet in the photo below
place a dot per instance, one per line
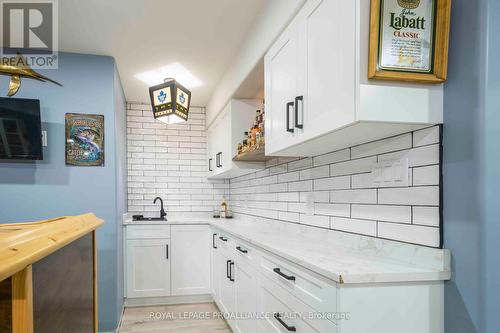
(214, 267)
(245, 285)
(281, 82)
(223, 137)
(268, 284)
(148, 267)
(227, 300)
(190, 260)
(316, 78)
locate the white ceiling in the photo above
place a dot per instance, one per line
(202, 35)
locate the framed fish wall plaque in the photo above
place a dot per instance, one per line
(84, 139)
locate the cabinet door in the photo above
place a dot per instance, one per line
(227, 292)
(224, 141)
(148, 268)
(215, 268)
(210, 152)
(246, 297)
(280, 90)
(325, 98)
(190, 259)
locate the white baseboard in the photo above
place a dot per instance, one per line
(152, 301)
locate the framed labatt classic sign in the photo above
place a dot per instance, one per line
(409, 40)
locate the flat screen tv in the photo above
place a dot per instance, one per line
(20, 129)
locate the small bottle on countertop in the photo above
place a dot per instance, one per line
(223, 208)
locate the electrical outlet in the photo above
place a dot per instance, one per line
(392, 173)
(44, 138)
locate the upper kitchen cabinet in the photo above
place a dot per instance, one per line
(318, 97)
(224, 135)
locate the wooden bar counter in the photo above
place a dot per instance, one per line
(48, 276)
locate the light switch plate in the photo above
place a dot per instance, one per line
(392, 173)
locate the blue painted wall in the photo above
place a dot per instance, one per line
(471, 168)
(38, 190)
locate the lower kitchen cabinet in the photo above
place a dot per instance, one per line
(245, 285)
(227, 301)
(148, 267)
(164, 260)
(190, 260)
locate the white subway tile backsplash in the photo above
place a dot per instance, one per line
(288, 177)
(336, 156)
(382, 146)
(305, 185)
(367, 196)
(288, 216)
(418, 196)
(364, 227)
(353, 167)
(409, 233)
(420, 156)
(313, 173)
(318, 196)
(343, 210)
(333, 183)
(400, 214)
(336, 190)
(315, 220)
(169, 161)
(428, 175)
(426, 216)
(426, 136)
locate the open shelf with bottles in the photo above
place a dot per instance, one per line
(252, 155)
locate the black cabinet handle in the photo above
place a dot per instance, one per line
(241, 250)
(166, 247)
(227, 268)
(288, 105)
(277, 316)
(223, 239)
(214, 236)
(297, 99)
(210, 164)
(220, 160)
(231, 264)
(283, 275)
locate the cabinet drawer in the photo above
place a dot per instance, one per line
(284, 312)
(246, 253)
(148, 231)
(306, 286)
(225, 243)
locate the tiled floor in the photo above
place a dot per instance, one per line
(185, 318)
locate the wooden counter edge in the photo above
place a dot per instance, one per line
(41, 239)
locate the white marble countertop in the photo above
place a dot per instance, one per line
(341, 257)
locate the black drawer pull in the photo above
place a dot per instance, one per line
(241, 250)
(214, 236)
(231, 264)
(277, 316)
(288, 105)
(210, 164)
(283, 275)
(223, 239)
(167, 251)
(297, 99)
(227, 268)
